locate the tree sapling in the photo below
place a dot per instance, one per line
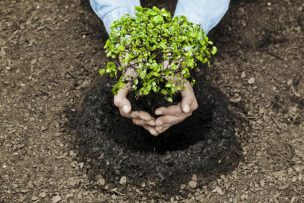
(159, 49)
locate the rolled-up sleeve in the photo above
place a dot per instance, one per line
(111, 10)
(206, 13)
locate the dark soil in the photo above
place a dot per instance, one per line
(205, 144)
(151, 102)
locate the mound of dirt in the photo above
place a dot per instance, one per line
(205, 144)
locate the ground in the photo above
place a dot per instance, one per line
(50, 52)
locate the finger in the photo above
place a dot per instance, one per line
(171, 120)
(194, 105)
(141, 122)
(121, 96)
(162, 129)
(171, 110)
(151, 123)
(121, 101)
(138, 122)
(145, 116)
(159, 128)
(132, 115)
(187, 104)
(138, 115)
(125, 111)
(188, 98)
(151, 130)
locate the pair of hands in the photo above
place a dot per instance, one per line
(168, 116)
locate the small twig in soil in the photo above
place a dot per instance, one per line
(73, 76)
(62, 156)
(116, 62)
(44, 91)
(275, 55)
(241, 114)
(115, 191)
(253, 117)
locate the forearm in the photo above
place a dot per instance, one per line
(206, 13)
(111, 10)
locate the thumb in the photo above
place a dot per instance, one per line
(126, 108)
(121, 101)
(187, 98)
(186, 107)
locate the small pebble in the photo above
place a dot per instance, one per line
(243, 75)
(262, 183)
(34, 198)
(289, 82)
(123, 180)
(300, 177)
(218, 190)
(293, 199)
(192, 184)
(183, 186)
(42, 194)
(251, 81)
(56, 199)
(72, 153)
(100, 180)
(194, 177)
(244, 196)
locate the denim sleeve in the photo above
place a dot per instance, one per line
(206, 13)
(111, 10)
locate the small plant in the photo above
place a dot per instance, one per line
(160, 49)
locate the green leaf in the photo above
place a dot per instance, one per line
(111, 65)
(157, 19)
(214, 50)
(120, 84)
(121, 48)
(102, 71)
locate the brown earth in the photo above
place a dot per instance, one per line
(50, 52)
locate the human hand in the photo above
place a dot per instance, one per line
(139, 118)
(172, 115)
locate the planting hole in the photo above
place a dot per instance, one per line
(179, 137)
(204, 144)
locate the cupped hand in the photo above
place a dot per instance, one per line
(172, 115)
(139, 118)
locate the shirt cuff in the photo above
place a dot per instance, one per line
(114, 15)
(193, 19)
(203, 12)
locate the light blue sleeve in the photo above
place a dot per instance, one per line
(111, 10)
(206, 13)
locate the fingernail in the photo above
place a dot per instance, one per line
(126, 109)
(186, 108)
(158, 112)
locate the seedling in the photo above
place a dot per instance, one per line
(160, 49)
